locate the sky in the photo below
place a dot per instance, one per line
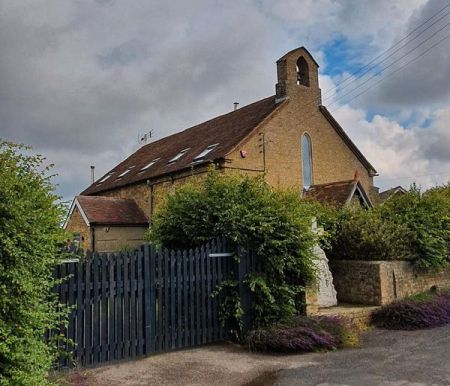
(80, 80)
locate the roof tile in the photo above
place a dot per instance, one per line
(334, 193)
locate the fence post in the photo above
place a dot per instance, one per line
(244, 291)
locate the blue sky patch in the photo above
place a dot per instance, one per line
(344, 55)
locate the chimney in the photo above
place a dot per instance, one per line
(236, 104)
(92, 174)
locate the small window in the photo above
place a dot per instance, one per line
(105, 178)
(205, 152)
(125, 172)
(150, 164)
(179, 155)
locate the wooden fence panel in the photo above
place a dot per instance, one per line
(132, 304)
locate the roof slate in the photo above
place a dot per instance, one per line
(227, 130)
(101, 210)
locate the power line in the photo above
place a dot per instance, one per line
(391, 64)
(318, 99)
(393, 72)
(392, 47)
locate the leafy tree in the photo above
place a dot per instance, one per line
(277, 225)
(30, 235)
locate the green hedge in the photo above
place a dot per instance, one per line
(413, 227)
(30, 234)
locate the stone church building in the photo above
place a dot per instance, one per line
(290, 138)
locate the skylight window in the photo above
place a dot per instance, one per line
(205, 152)
(150, 164)
(105, 178)
(125, 172)
(179, 155)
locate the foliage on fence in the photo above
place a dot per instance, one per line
(276, 225)
(29, 236)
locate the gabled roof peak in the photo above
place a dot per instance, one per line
(298, 50)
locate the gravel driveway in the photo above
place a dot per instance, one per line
(384, 358)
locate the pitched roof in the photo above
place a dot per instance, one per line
(298, 49)
(340, 131)
(100, 210)
(337, 193)
(391, 192)
(226, 131)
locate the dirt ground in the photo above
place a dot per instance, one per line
(384, 358)
(219, 364)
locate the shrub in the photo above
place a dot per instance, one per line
(304, 334)
(424, 311)
(364, 235)
(30, 234)
(427, 219)
(277, 225)
(413, 227)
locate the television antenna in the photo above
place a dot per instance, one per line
(144, 138)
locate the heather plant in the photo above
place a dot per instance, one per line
(30, 237)
(276, 225)
(304, 334)
(417, 312)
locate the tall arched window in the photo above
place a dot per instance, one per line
(307, 161)
(302, 72)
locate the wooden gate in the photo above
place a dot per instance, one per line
(143, 302)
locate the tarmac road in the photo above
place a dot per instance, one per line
(385, 358)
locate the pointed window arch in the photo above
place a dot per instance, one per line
(307, 166)
(302, 72)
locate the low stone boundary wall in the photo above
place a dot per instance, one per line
(381, 282)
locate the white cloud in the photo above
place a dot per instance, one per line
(401, 155)
(80, 80)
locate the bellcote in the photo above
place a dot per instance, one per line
(297, 73)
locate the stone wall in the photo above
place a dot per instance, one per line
(381, 282)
